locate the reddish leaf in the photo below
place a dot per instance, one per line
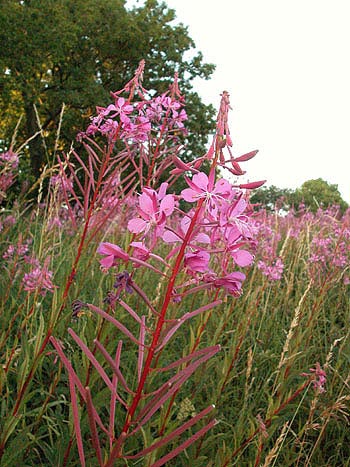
(166, 439)
(175, 452)
(252, 185)
(247, 156)
(76, 421)
(93, 429)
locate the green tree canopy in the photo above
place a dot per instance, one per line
(76, 52)
(319, 193)
(313, 194)
(272, 197)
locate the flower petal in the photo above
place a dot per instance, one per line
(201, 181)
(137, 225)
(147, 204)
(190, 195)
(167, 205)
(242, 257)
(106, 248)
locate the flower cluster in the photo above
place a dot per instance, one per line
(18, 251)
(216, 234)
(268, 237)
(319, 378)
(273, 270)
(39, 279)
(135, 121)
(10, 159)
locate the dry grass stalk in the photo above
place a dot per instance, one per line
(273, 453)
(294, 324)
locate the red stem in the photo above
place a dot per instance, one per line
(156, 335)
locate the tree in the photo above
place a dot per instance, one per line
(272, 197)
(313, 194)
(319, 193)
(76, 52)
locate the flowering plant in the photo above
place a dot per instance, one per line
(206, 245)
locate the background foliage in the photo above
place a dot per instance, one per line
(56, 52)
(313, 194)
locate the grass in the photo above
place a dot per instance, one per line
(269, 336)
(279, 383)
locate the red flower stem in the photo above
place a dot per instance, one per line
(67, 287)
(115, 453)
(195, 345)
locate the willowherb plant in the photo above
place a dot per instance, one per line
(328, 236)
(192, 253)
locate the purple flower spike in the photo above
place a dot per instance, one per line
(123, 281)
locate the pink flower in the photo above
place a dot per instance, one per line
(197, 261)
(232, 282)
(19, 251)
(136, 131)
(273, 271)
(122, 107)
(10, 158)
(242, 257)
(319, 377)
(112, 253)
(153, 209)
(170, 236)
(203, 187)
(140, 251)
(179, 117)
(39, 279)
(232, 213)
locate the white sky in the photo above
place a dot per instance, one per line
(286, 66)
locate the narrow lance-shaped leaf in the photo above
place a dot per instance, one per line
(114, 367)
(162, 390)
(184, 318)
(114, 395)
(76, 421)
(75, 378)
(114, 321)
(191, 356)
(131, 312)
(93, 429)
(92, 358)
(180, 378)
(166, 439)
(175, 452)
(144, 297)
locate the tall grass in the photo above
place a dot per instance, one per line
(155, 358)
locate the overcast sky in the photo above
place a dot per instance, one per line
(286, 66)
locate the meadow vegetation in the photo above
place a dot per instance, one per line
(141, 325)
